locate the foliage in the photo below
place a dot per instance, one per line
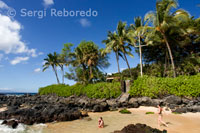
(103, 90)
(52, 60)
(87, 63)
(154, 87)
(119, 42)
(98, 90)
(166, 24)
(125, 111)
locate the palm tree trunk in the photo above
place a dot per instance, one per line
(128, 65)
(117, 58)
(91, 72)
(54, 69)
(84, 74)
(170, 54)
(140, 49)
(63, 75)
(165, 66)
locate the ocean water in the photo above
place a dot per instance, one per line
(21, 128)
(16, 93)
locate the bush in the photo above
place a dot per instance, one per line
(98, 90)
(154, 87)
(103, 90)
(62, 90)
(125, 111)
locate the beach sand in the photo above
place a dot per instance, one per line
(178, 123)
(3, 109)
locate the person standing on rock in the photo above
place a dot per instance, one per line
(160, 115)
(101, 122)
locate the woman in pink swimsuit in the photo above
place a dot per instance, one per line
(160, 115)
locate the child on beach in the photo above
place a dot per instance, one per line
(160, 115)
(101, 122)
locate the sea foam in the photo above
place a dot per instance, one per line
(21, 128)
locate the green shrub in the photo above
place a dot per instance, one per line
(62, 90)
(103, 90)
(98, 90)
(149, 113)
(154, 87)
(125, 111)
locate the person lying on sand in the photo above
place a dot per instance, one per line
(160, 115)
(101, 122)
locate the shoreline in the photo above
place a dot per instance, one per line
(178, 123)
(37, 109)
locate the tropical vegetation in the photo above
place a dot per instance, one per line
(167, 41)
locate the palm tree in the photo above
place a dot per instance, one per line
(78, 62)
(123, 42)
(87, 60)
(61, 63)
(137, 32)
(64, 59)
(112, 45)
(52, 60)
(164, 20)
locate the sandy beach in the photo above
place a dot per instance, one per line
(178, 123)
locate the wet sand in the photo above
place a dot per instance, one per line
(178, 123)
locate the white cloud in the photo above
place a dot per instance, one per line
(85, 22)
(5, 89)
(48, 2)
(10, 41)
(43, 62)
(3, 5)
(37, 70)
(1, 56)
(122, 69)
(19, 60)
(40, 53)
(10, 37)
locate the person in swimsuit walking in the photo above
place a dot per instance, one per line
(160, 115)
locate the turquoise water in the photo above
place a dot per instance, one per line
(17, 93)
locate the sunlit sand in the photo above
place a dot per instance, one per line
(178, 123)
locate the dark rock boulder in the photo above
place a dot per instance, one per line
(145, 101)
(195, 108)
(101, 107)
(172, 106)
(156, 102)
(133, 103)
(173, 100)
(181, 110)
(139, 128)
(124, 98)
(112, 103)
(185, 101)
(11, 123)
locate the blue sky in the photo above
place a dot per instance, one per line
(26, 40)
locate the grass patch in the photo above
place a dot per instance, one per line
(176, 113)
(149, 113)
(125, 111)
